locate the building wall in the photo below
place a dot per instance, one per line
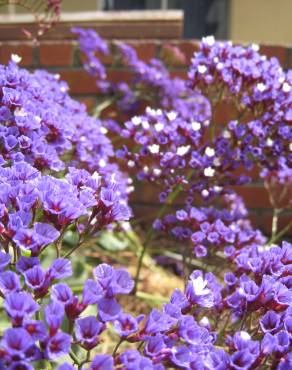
(261, 21)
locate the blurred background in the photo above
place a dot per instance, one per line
(264, 21)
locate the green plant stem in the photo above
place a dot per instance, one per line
(280, 234)
(150, 234)
(102, 106)
(80, 241)
(117, 346)
(74, 358)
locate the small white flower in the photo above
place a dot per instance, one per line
(290, 147)
(286, 87)
(154, 148)
(16, 58)
(209, 40)
(244, 335)
(220, 66)
(281, 79)
(95, 176)
(159, 126)
(20, 112)
(255, 47)
(202, 68)
(226, 134)
(131, 164)
(196, 126)
(145, 125)
(209, 172)
(171, 115)
(38, 119)
(210, 152)
(182, 150)
(102, 163)
(216, 162)
(200, 286)
(156, 171)
(103, 130)
(145, 169)
(206, 123)
(63, 89)
(261, 87)
(205, 193)
(136, 120)
(217, 188)
(204, 321)
(269, 142)
(57, 76)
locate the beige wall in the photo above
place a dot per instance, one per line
(261, 21)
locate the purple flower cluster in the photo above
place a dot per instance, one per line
(212, 230)
(56, 176)
(151, 82)
(260, 91)
(43, 126)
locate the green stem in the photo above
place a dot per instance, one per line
(74, 358)
(80, 241)
(150, 234)
(280, 234)
(117, 346)
(102, 106)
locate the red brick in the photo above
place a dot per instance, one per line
(178, 53)
(23, 49)
(119, 75)
(79, 81)
(89, 102)
(179, 73)
(253, 196)
(289, 58)
(107, 60)
(266, 223)
(145, 50)
(188, 48)
(56, 54)
(280, 52)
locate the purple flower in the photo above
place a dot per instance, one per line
(270, 322)
(126, 324)
(60, 269)
(9, 282)
(283, 341)
(242, 359)
(58, 345)
(4, 260)
(197, 291)
(102, 362)
(36, 329)
(132, 360)
(108, 309)
(87, 331)
(217, 360)
(113, 281)
(24, 263)
(158, 322)
(16, 342)
(54, 314)
(19, 305)
(34, 277)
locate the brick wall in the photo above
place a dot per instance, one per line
(62, 57)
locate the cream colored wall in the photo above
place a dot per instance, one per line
(261, 21)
